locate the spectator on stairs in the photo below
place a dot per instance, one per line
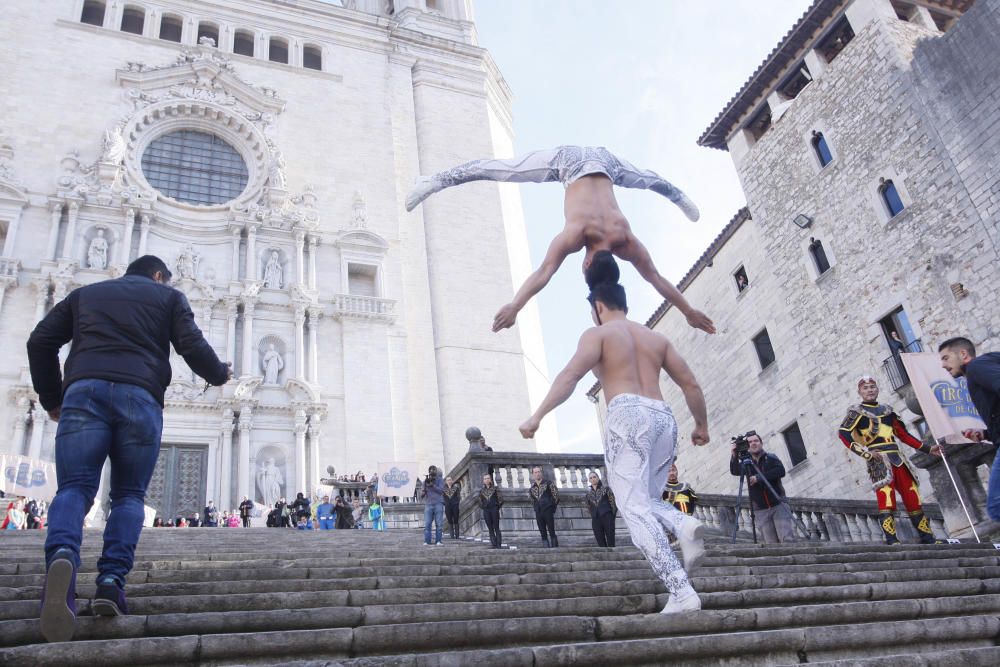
(358, 514)
(326, 515)
(600, 501)
(376, 516)
(246, 508)
(545, 501)
(211, 515)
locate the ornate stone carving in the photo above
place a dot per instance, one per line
(274, 274)
(272, 364)
(97, 253)
(359, 215)
(114, 147)
(8, 174)
(187, 263)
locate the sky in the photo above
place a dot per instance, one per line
(643, 78)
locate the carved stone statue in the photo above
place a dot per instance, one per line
(269, 481)
(114, 147)
(205, 40)
(272, 364)
(276, 172)
(97, 254)
(273, 273)
(187, 262)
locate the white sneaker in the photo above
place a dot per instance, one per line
(428, 544)
(689, 602)
(439, 544)
(692, 543)
(424, 187)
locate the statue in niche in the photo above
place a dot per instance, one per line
(97, 253)
(114, 146)
(276, 172)
(187, 262)
(272, 364)
(273, 273)
(269, 481)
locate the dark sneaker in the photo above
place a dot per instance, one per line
(58, 616)
(109, 600)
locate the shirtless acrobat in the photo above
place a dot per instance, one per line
(593, 219)
(640, 431)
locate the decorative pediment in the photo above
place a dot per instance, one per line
(301, 392)
(203, 74)
(363, 241)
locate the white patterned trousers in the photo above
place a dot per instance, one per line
(639, 446)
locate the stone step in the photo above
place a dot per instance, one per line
(556, 640)
(970, 657)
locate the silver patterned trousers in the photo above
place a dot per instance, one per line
(639, 446)
(563, 163)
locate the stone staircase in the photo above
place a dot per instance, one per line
(271, 596)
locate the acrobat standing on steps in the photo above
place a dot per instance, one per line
(593, 219)
(640, 431)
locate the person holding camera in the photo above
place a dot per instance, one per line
(772, 514)
(545, 500)
(432, 492)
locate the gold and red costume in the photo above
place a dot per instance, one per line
(681, 496)
(869, 429)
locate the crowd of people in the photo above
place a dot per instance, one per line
(22, 513)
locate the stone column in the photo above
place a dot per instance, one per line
(300, 342)
(232, 312)
(125, 249)
(55, 215)
(38, 419)
(235, 235)
(8, 243)
(41, 298)
(300, 454)
(143, 233)
(74, 213)
(300, 240)
(226, 467)
(247, 367)
(4, 284)
(251, 272)
(313, 244)
(314, 437)
(314, 314)
(20, 423)
(243, 462)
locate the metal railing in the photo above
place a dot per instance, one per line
(893, 367)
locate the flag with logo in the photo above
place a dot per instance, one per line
(397, 479)
(24, 476)
(945, 400)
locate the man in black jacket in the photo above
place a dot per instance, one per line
(958, 357)
(109, 404)
(544, 500)
(772, 514)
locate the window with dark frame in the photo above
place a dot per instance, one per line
(312, 57)
(819, 256)
(208, 30)
(794, 84)
(822, 149)
(796, 447)
(742, 282)
(171, 28)
(194, 167)
(243, 42)
(760, 123)
(93, 13)
(890, 197)
(835, 41)
(133, 20)
(278, 51)
(765, 351)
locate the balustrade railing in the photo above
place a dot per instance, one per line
(9, 267)
(364, 307)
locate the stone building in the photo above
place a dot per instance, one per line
(263, 149)
(867, 145)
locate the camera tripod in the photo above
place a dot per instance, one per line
(747, 470)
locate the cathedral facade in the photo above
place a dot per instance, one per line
(263, 149)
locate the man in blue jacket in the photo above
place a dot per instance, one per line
(958, 357)
(109, 404)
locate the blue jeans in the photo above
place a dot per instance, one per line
(101, 420)
(993, 489)
(433, 513)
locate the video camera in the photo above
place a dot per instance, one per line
(742, 444)
(431, 477)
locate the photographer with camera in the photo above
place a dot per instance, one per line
(432, 492)
(763, 472)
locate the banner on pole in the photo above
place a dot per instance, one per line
(397, 479)
(945, 400)
(24, 476)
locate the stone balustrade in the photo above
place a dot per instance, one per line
(816, 519)
(364, 307)
(9, 267)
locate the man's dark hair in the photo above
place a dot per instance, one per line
(959, 343)
(147, 265)
(603, 269)
(612, 295)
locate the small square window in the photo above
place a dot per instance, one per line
(740, 277)
(765, 351)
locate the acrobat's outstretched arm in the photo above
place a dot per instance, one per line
(636, 253)
(563, 245)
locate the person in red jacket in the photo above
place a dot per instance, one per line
(871, 431)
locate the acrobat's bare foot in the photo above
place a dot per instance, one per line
(424, 187)
(700, 320)
(505, 317)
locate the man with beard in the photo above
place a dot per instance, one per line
(679, 494)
